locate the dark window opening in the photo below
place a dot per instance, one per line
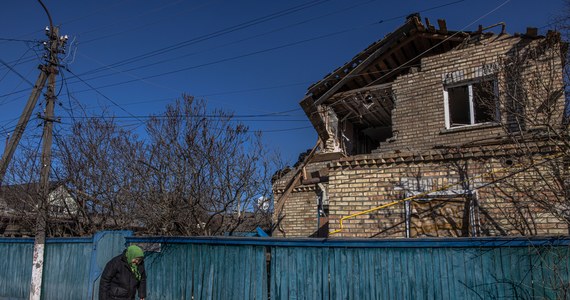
(459, 106)
(471, 103)
(484, 101)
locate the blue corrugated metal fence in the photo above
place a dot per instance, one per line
(477, 268)
(206, 271)
(14, 256)
(72, 265)
(268, 268)
(419, 273)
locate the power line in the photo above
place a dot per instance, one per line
(284, 113)
(143, 25)
(228, 59)
(21, 61)
(421, 11)
(286, 129)
(251, 53)
(6, 101)
(15, 72)
(10, 129)
(101, 94)
(242, 90)
(91, 13)
(272, 31)
(18, 40)
(224, 59)
(441, 42)
(69, 97)
(138, 124)
(344, 9)
(6, 74)
(211, 35)
(14, 93)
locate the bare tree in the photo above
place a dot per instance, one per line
(96, 162)
(534, 115)
(205, 172)
(196, 172)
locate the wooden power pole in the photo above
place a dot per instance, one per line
(54, 48)
(48, 72)
(23, 121)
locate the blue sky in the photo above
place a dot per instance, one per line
(249, 57)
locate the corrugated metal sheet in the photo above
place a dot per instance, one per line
(299, 273)
(207, 272)
(15, 269)
(235, 268)
(66, 270)
(419, 273)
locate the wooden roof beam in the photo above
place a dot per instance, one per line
(454, 37)
(392, 39)
(442, 26)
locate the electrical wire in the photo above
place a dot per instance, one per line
(223, 60)
(421, 11)
(17, 40)
(15, 72)
(441, 42)
(343, 10)
(284, 113)
(261, 51)
(431, 48)
(251, 53)
(6, 101)
(209, 36)
(169, 18)
(21, 61)
(101, 94)
(14, 64)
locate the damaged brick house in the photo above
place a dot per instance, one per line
(433, 132)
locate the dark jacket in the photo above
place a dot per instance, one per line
(119, 282)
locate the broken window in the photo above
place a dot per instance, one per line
(471, 103)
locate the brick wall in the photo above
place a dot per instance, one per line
(419, 115)
(299, 214)
(500, 206)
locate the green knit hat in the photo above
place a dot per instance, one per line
(134, 252)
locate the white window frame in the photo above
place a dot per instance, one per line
(469, 85)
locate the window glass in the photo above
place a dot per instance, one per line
(484, 101)
(471, 103)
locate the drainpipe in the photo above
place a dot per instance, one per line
(320, 201)
(408, 216)
(473, 219)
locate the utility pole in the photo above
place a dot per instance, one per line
(48, 72)
(54, 46)
(23, 121)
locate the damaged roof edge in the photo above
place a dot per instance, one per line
(361, 60)
(311, 110)
(394, 52)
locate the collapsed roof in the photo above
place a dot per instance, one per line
(360, 90)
